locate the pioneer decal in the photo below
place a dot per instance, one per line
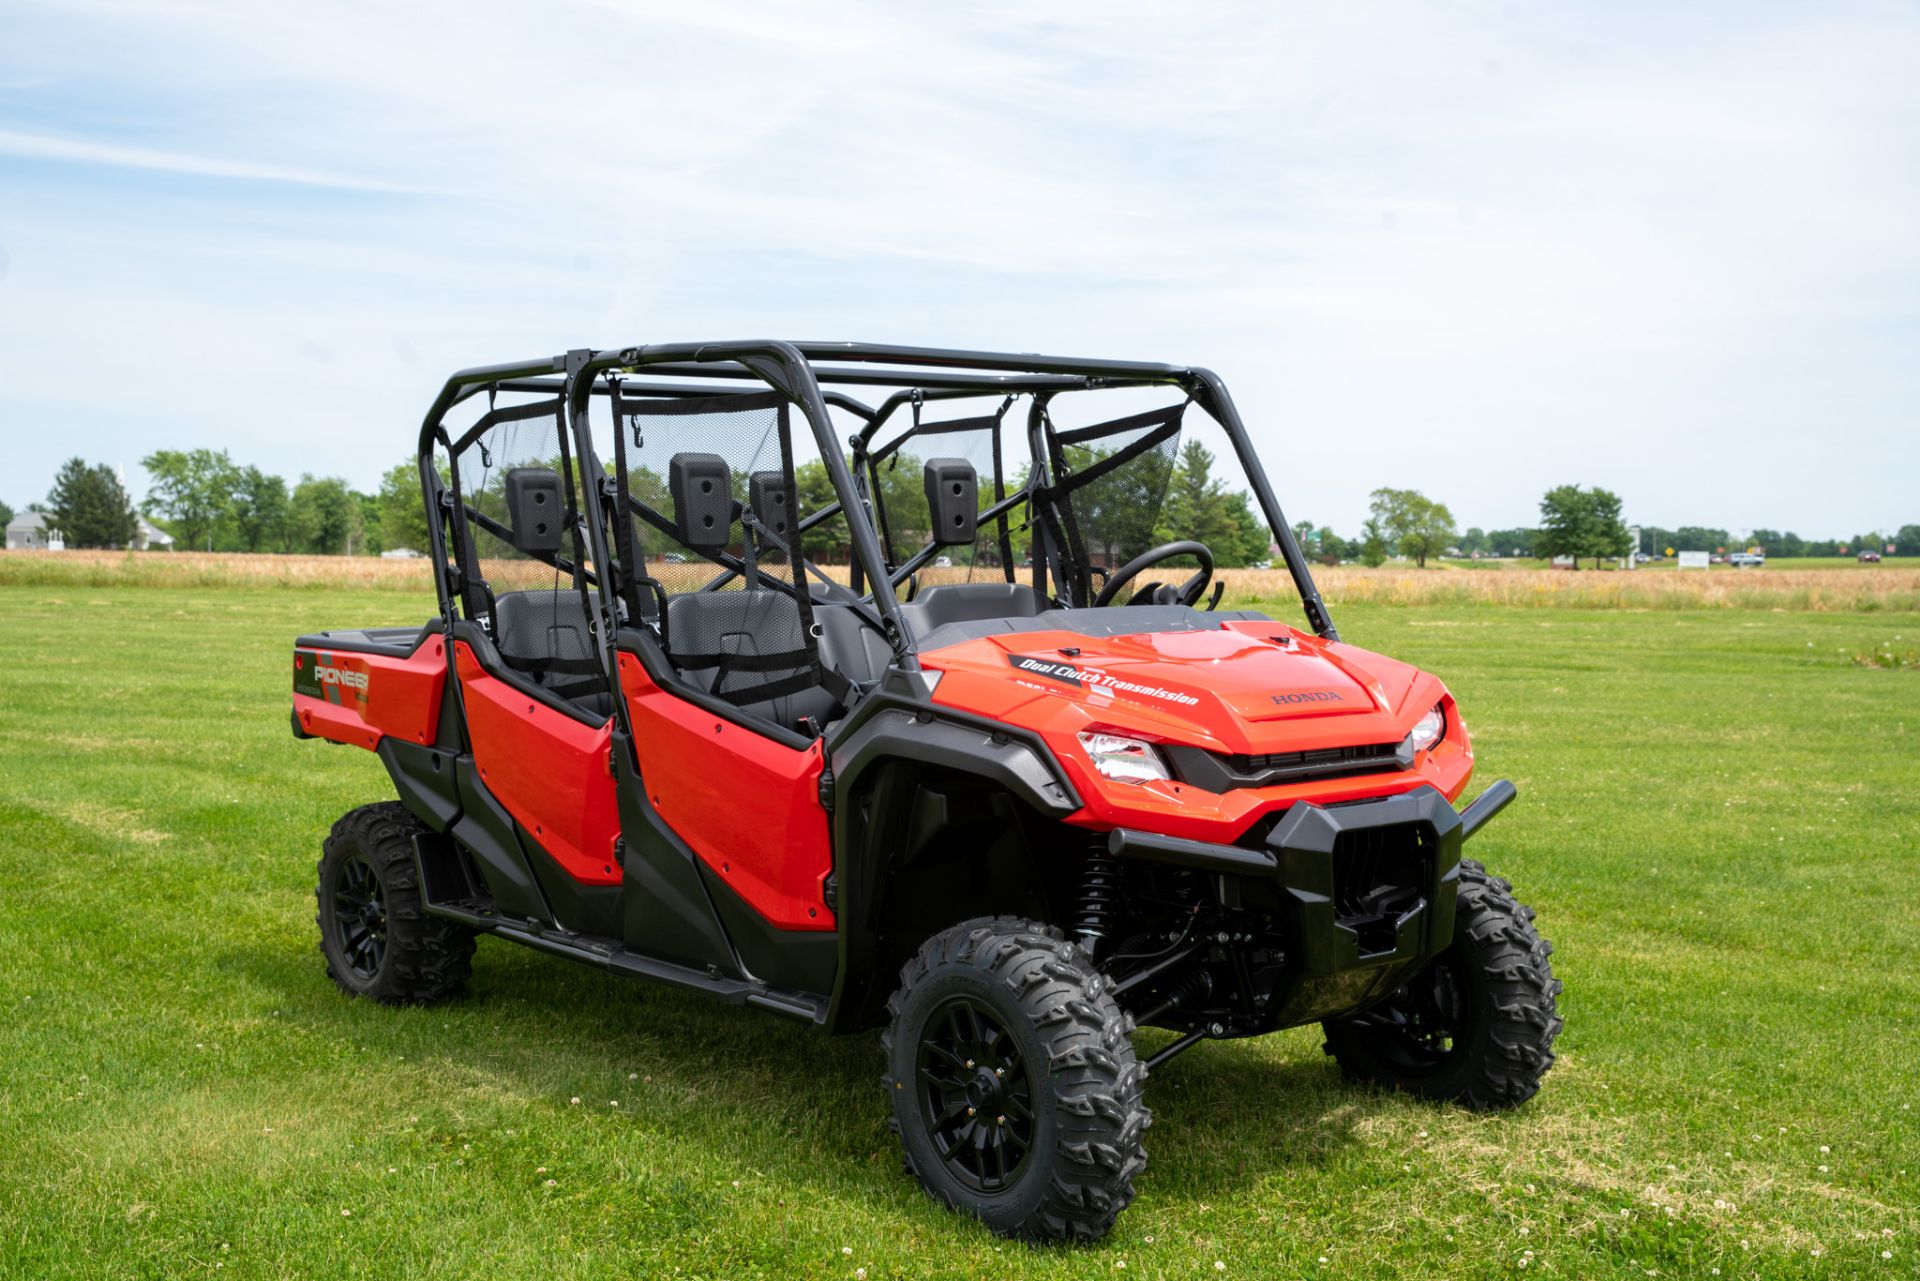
(319, 676)
(1093, 678)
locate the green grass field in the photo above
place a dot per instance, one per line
(1718, 823)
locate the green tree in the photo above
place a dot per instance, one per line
(257, 513)
(1511, 542)
(89, 508)
(1473, 541)
(400, 509)
(1199, 506)
(1332, 546)
(6, 515)
(371, 542)
(1907, 541)
(192, 491)
(1373, 544)
(828, 542)
(1580, 522)
(324, 517)
(1414, 523)
(1697, 538)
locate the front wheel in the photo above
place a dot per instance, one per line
(1015, 1089)
(1476, 1026)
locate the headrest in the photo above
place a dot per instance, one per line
(702, 489)
(772, 506)
(533, 508)
(953, 500)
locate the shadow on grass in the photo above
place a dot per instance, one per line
(781, 1098)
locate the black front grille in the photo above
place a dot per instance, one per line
(1378, 874)
(1219, 772)
(1364, 758)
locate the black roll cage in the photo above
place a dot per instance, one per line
(919, 374)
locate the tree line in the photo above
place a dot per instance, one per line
(207, 502)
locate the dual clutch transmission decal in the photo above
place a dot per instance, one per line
(1093, 678)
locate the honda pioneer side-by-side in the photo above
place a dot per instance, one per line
(886, 687)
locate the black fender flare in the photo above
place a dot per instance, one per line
(899, 728)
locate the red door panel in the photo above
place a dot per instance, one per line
(748, 807)
(549, 770)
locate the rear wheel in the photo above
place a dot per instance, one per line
(374, 929)
(1477, 1025)
(1015, 1089)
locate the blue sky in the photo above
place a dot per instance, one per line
(1474, 249)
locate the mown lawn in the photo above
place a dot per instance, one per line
(1718, 823)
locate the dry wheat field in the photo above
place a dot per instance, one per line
(1841, 588)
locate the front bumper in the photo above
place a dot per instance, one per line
(1368, 886)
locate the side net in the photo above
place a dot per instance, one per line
(709, 492)
(895, 478)
(531, 602)
(1109, 482)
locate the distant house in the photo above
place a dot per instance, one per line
(28, 532)
(150, 537)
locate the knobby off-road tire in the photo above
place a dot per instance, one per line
(1051, 1146)
(1477, 1026)
(374, 930)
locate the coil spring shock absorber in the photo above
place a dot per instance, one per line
(1099, 898)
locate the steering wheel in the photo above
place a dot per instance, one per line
(1188, 593)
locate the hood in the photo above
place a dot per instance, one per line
(1242, 686)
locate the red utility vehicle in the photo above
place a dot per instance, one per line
(702, 704)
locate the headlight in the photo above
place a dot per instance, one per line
(1430, 729)
(1123, 759)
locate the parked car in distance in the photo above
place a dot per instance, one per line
(1641, 558)
(1716, 560)
(1869, 558)
(943, 562)
(1747, 560)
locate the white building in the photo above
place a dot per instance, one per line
(28, 532)
(150, 537)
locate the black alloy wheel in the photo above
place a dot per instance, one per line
(360, 918)
(377, 936)
(978, 1094)
(1013, 1082)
